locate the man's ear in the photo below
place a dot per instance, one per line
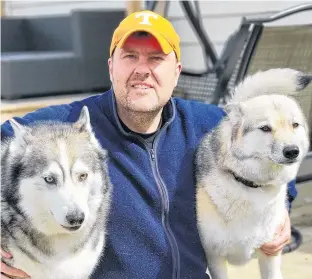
(177, 72)
(110, 68)
(235, 112)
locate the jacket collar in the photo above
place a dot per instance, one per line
(168, 117)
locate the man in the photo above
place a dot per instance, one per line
(151, 139)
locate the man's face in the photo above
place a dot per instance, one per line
(143, 77)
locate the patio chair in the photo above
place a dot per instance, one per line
(258, 46)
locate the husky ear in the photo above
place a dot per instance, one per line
(83, 122)
(19, 130)
(235, 112)
(21, 135)
(303, 80)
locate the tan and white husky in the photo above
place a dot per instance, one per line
(243, 167)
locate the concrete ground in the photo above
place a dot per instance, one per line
(296, 264)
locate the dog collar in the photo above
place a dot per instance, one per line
(246, 182)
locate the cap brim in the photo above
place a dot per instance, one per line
(165, 46)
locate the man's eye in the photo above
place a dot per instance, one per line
(157, 58)
(131, 56)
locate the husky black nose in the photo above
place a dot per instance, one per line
(75, 218)
(291, 151)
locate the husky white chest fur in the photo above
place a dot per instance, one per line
(55, 199)
(65, 265)
(243, 167)
(239, 226)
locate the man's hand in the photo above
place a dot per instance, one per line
(10, 271)
(282, 237)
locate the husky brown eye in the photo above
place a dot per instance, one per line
(82, 176)
(295, 125)
(266, 128)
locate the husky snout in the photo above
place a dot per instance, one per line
(291, 152)
(74, 219)
(285, 154)
(70, 207)
(70, 217)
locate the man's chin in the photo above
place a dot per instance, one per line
(144, 105)
(144, 108)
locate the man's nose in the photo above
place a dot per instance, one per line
(142, 69)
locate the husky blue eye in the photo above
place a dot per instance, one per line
(266, 128)
(49, 179)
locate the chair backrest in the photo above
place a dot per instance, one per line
(192, 85)
(286, 47)
(90, 24)
(13, 35)
(204, 86)
(49, 33)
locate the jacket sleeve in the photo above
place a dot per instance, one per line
(51, 113)
(291, 193)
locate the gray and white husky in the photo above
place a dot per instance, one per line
(55, 199)
(243, 167)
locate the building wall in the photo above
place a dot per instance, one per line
(45, 7)
(220, 18)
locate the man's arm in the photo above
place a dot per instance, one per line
(51, 113)
(283, 232)
(291, 193)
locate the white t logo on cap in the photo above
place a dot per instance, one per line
(146, 17)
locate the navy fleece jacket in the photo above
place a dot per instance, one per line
(152, 232)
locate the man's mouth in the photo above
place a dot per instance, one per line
(141, 86)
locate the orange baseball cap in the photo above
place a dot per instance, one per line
(152, 23)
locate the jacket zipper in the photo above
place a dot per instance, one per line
(165, 205)
(165, 214)
(164, 201)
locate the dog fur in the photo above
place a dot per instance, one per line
(243, 167)
(55, 199)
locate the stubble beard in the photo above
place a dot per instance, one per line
(136, 106)
(141, 117)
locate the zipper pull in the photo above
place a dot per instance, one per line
(152, 154)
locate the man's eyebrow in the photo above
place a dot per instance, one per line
(158, 52)
(125, 50)
(131, 51)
